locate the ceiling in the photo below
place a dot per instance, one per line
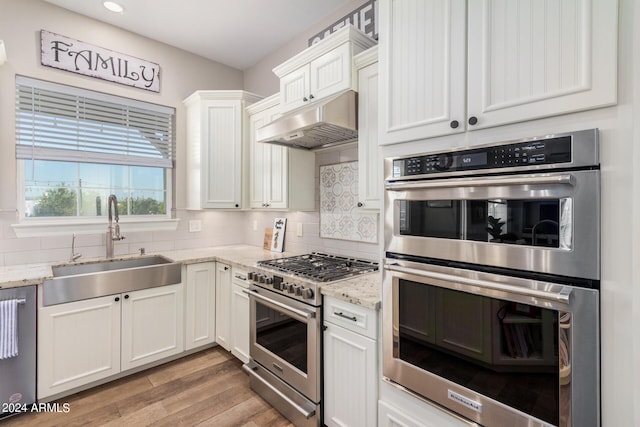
(237, 33)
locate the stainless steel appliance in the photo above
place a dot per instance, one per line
(18, 373)
(490, 289)
(322, 124)
(285, 334)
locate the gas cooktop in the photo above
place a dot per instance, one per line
(320, 267)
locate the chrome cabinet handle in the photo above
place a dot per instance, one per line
(341, 314)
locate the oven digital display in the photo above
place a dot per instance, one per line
(521, 154)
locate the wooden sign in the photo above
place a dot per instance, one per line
(364, 18)
(82, 58)
(277, 239)
(268, 233)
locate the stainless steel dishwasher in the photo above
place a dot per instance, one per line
(18, 373)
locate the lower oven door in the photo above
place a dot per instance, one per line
(501, 351)
(285, 339)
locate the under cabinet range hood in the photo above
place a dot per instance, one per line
(322, 124)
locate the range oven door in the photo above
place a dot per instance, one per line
(285, 339)
(498, 350)
(541, 222)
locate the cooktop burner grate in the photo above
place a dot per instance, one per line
(320, 267)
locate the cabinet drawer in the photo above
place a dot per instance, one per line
(350, 316)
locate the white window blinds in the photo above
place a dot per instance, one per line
(64, 123)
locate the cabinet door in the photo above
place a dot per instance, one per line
(222, 145)
(223, 303)
(534, 59)
(276, 181)
(78, 343)
(240, 323)
(294, 89)
(350, 380)
(370, 179)
(422, 69)
(200, 313)
(152, 325)
(258, 162)
(331, 73)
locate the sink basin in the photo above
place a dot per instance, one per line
(101, 278)
(107, 265)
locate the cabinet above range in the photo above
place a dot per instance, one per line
(321, 70)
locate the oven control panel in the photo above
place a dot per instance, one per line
(292, 288)
(520, 154)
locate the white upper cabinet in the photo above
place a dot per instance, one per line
(321, 70)
(217, 130)
(280, 178)
(370, 181)
(422, 69)
(531, 59)
(445, 69)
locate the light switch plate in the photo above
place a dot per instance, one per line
(299, 229)
(195, 225)
(254, 226)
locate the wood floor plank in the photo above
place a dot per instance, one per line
(207, 388)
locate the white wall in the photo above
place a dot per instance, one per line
(260, 78)
(181, 74)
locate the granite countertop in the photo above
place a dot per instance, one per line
(363, 290)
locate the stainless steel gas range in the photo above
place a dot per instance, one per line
(285, 334)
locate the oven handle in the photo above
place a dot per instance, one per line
(564, 296)
(250, 370)
(482, 182)
(290, 310)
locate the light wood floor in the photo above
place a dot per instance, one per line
(205, 389)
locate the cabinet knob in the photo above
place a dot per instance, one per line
(304, 99)
(311, 96)
(360, 204)
(266, 205)
(473, 120)
(116, 299)
(237, 205)
(126, 297)
(226, 268)
(454, 124)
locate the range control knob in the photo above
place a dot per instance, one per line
(285, 286)
(307, 293)
(261, 278)
(299, 290)
(268, 280)
(251, 275)
(292, 288)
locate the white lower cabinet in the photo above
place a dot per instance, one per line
(152, 325)
(200, 314)
(350, 365)
(85, 341)
(240, 315)
(394, 417)
(223, 304)
(78, 343)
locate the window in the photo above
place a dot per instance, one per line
(78, 147)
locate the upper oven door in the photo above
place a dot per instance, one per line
(546, 222)
(285, 338)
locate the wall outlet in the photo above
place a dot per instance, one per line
(299, 229)
(254, 225)
(195, 225)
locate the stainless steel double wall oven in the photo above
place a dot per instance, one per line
(491, 278)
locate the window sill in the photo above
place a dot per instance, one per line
(52, 227)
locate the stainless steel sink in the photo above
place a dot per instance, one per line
(101, 278)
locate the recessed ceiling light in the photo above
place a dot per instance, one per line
(113, 6)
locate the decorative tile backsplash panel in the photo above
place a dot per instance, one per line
(340, 217)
